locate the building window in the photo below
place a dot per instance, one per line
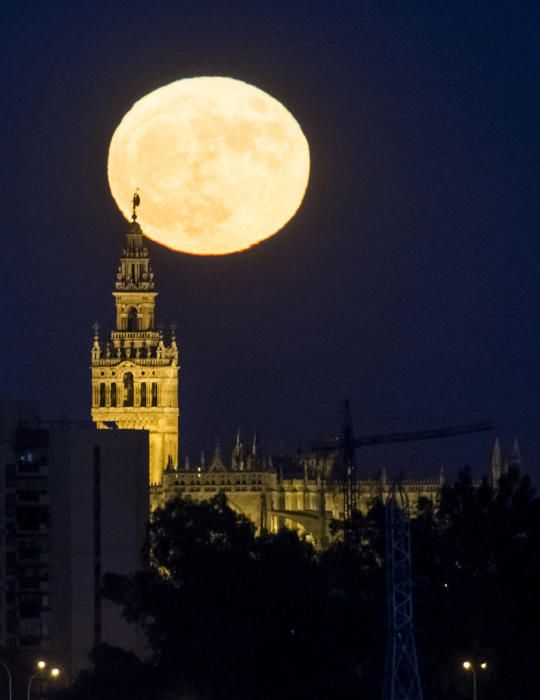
(154, 394)
(102, 394)
(132, 319)
(113, 394)
(128, 389)
(143, 394)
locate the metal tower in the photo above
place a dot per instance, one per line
(402, 678)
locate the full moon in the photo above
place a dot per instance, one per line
(219, 164)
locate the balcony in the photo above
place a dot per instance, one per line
(30, 498)
(28, 553)
(32, 583)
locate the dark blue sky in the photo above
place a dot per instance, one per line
(410, 278)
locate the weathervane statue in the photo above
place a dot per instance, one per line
(136, 202)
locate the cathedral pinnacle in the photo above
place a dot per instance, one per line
(515, 457)
(255, 445)
(96, 348)
(497, 466)
(169, 467)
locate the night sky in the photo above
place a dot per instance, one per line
(409, 280)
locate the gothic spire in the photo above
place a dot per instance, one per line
(96, 348)
(170, 465)
(496, 463)
(217, 462)
(238, 461)
(515, 455)
(255, 445)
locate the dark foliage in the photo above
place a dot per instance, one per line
(231, 615)
(117, 675)
(477, 568)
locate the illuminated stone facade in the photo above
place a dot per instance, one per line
(302, 492)
(135, 386)
(135, 373)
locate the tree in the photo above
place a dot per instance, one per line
(477, 564)
(116, 674)
(229, 614)
(232, 615)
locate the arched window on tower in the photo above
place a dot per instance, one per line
(102, 394)
(132, 319)
(128, 389)
(154, 394)
(113, 394)
(143, 394)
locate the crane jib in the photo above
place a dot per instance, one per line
(423, 434)
(365, 441)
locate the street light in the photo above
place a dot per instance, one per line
(3, 663)
(41, 666)
(469, 666)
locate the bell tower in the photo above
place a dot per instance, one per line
(135, 373)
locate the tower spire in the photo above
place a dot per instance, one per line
(496, 463)
(134, 270)
(515, 456)
(135, 381)
(96, 348)
(238, 461)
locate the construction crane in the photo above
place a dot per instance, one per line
(346, 444)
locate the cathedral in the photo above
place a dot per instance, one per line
(135, 386)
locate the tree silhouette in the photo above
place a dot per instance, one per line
(228, 614)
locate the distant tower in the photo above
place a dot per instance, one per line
(135, 375)
(402, 678)
(497, 464)
(238, 459)
(515, 456)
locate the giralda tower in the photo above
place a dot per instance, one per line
(135, 374)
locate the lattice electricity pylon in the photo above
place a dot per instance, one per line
(402, 678)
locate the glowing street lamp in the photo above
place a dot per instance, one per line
(40, 667)
(469, 666)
